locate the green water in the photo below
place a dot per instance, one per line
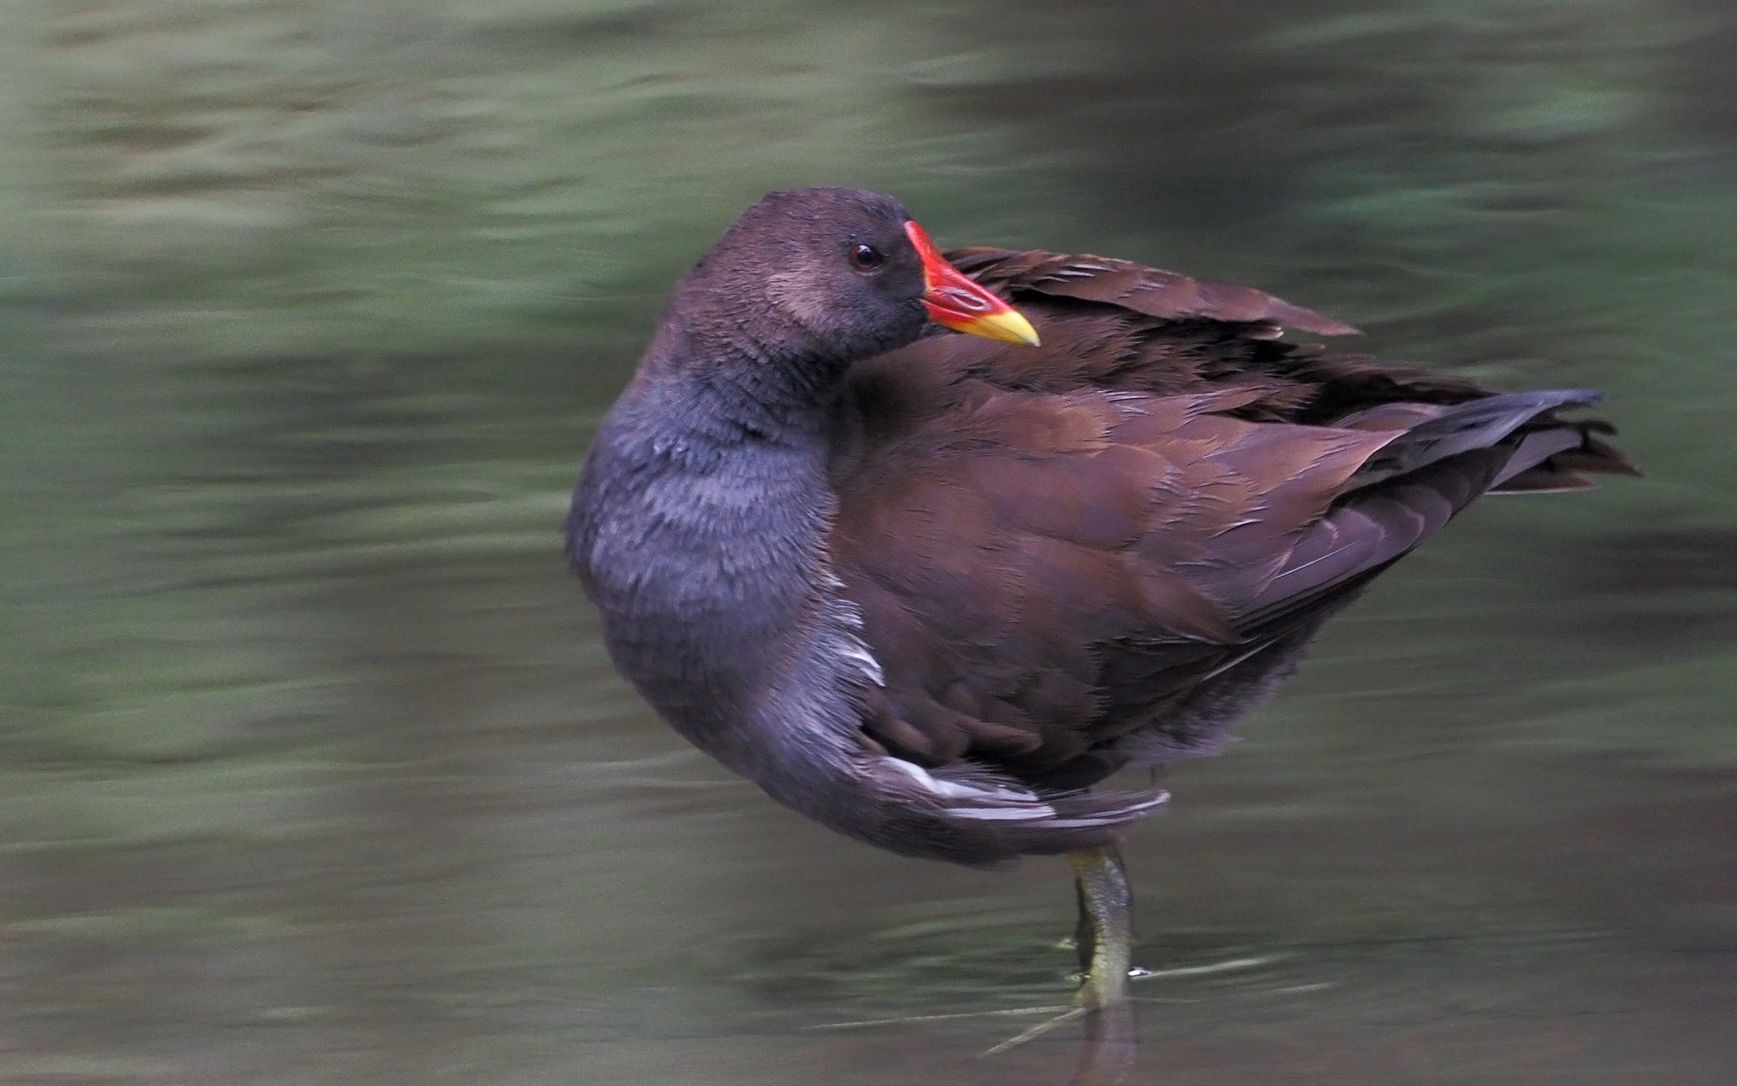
(312, 769)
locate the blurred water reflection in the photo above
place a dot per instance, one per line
(312, 770)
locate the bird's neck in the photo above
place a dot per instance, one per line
(730, 379)
(699, 527)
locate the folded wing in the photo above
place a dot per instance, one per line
(1104, 550)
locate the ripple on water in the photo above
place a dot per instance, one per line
(972, 964)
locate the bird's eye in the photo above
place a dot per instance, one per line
(865, 257)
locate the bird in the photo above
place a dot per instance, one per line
(933, 589)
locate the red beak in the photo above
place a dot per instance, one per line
(955, 302)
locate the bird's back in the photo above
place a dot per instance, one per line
(1105, 549)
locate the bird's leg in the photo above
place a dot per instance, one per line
(1105, 932)
(1105, 939)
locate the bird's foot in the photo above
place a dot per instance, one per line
(1095, 996)
(1072, 1014)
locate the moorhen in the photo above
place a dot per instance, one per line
(930, 589)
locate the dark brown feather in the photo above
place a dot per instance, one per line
(1106, 549)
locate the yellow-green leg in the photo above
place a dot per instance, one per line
(1104, 937)
(1105, 932)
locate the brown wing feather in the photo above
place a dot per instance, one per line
(1139, 289)
(1108, 547)
(1117, 324)
(1000, 560)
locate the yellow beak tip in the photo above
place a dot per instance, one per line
(1008, 327)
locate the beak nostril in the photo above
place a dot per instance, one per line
(966, 301)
